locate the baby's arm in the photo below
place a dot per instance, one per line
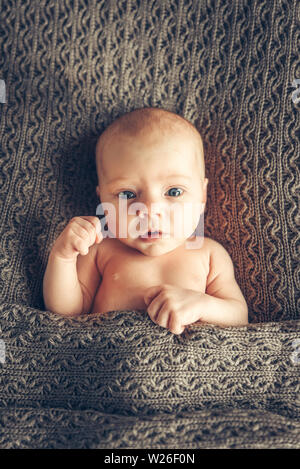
(72, 277)
(224, 302)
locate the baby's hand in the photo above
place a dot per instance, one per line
(173, 307)
(79, 234)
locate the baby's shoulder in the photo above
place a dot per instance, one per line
(216, 253)
(213, 247)
(207, 250)
(219, 259)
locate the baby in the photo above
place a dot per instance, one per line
(150, 167)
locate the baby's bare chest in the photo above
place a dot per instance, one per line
(131, 272)
(126, 278)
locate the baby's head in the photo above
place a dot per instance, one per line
(150, 167)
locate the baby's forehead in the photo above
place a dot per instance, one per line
(147, 121)
(152, 147)
(148, 125)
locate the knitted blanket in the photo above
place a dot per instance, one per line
(67, 70)
(121, 381)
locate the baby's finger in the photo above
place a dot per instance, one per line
(175, 325)
(162, 317)
(94, 221)
(82, 233)
(97, 225)
(91, 225)
(154, 307)
(151, 293)
(81, 247)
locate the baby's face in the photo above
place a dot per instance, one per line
(154, 184)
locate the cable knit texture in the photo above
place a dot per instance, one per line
(70, 68)
(120, 381)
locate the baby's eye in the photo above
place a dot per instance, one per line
(175, 192)
(126, 195)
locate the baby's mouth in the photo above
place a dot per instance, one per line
(152, 234)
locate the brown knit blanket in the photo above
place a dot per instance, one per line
(70, 68)
(121, 381)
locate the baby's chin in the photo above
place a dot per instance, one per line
(153, 249)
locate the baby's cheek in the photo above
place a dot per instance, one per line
(184, 221)
(197, 216)
(123, 226)
(111, 222)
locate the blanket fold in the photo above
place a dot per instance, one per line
(111, 376)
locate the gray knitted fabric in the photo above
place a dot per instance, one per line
(120, 381)
(70, 68)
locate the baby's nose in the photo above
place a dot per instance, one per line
(150, 210)
(141, 213)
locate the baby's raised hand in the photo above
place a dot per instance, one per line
(79, 234)
(173, 307)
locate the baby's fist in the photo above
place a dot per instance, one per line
(79, 234)
(162, 309)
(173, 307)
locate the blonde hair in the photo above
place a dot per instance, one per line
(144, 120)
